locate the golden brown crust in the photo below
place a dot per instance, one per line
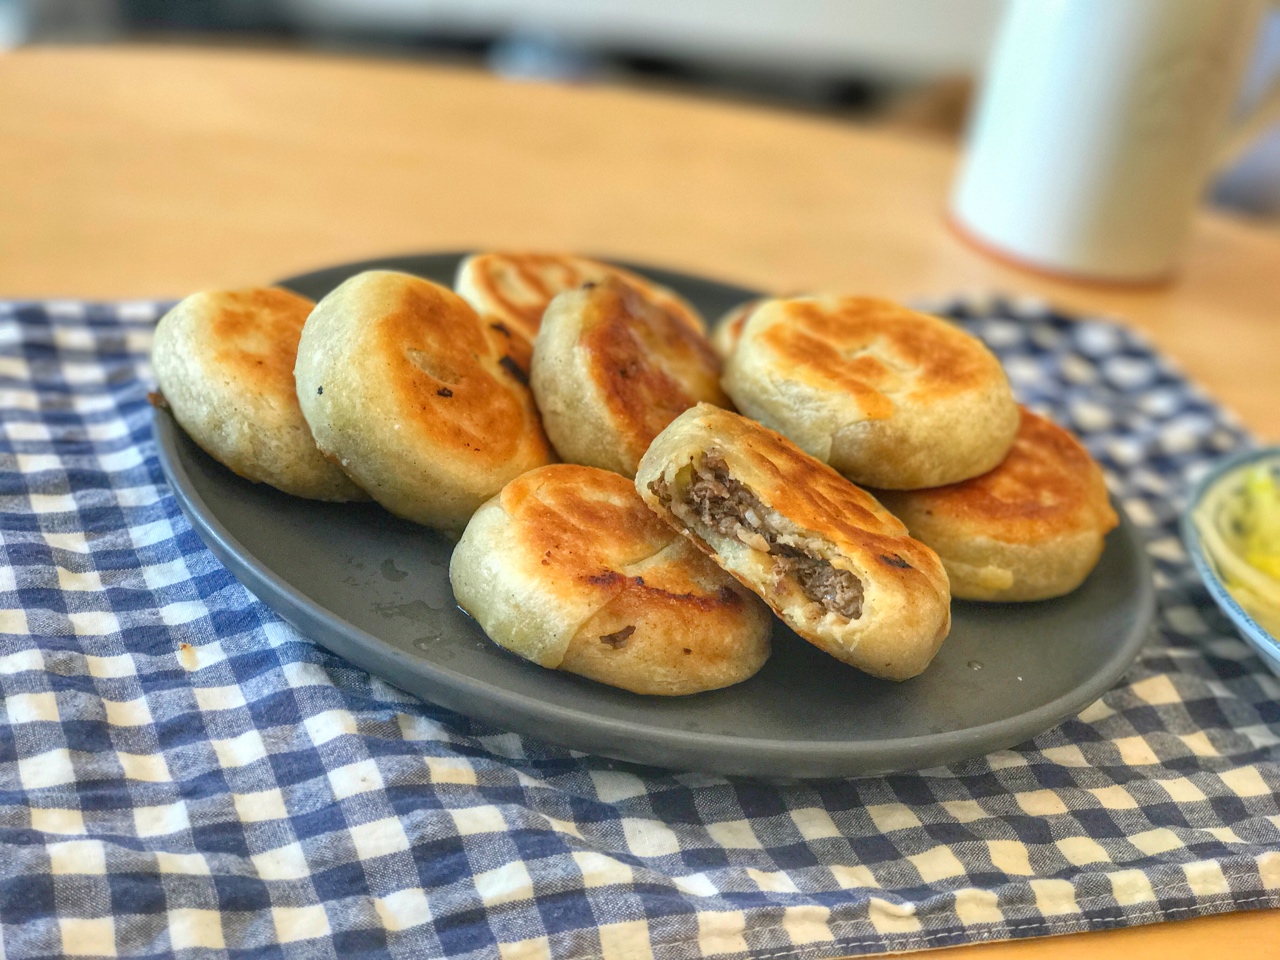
(888, 396)
(585, 526)
(1031, 528)
(255, 333)
(906, 611)
(224, 360)
(516, 288)
(568, 568)
(458, 382)
(879, 352)
(1047, 484)
(423, 402)
(728, 329)
(611, 370)
(649, 366)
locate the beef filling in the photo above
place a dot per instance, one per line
(728, 507)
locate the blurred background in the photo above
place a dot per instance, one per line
(908, 64)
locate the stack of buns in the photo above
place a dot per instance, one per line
(845, 462)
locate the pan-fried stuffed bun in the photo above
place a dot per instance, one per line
(515, 289)
(568, 568)
(224, 363)
(610, 370)
(889, 397)
(833, 563)
(1031, 528)
(421, 402)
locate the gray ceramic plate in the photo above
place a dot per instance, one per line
(375, 590)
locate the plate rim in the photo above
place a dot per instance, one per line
(825, 754)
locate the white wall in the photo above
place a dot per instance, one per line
(903, 39)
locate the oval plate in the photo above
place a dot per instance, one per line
(375, 590)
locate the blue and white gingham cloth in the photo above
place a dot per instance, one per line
(182, 774)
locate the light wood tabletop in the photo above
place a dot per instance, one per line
(155, 171)
(152, 172)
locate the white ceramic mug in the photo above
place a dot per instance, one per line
(1097, 129)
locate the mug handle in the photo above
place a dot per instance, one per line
(1241, 136)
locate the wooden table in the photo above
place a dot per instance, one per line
(148, 172)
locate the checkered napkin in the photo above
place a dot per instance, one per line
(182, 774)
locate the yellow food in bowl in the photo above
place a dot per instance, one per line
(1238, 520)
